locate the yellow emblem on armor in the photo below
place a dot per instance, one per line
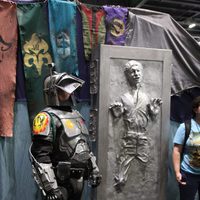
(40, 123)
(69, 124)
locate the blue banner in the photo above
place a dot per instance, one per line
(62, 25)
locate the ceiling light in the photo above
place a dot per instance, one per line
(192, 25)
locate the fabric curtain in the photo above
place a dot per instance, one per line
(36, 52)
(62, 24)
(116, 24)
(20, 94)
(83, 66)
(94, 30)
(8, 61)
(152, 29)
(16, 179)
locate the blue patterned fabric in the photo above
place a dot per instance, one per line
(62, 25)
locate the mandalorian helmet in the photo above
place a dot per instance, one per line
(62, 81)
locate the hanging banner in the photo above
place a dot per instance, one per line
(116, 22)
(8, 60)
(36, 52)
(94, 29)
(62, 24)
(20, 93)
(83, 66)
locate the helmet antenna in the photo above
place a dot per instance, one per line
(51, 69)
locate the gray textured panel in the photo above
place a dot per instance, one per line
(146, 176)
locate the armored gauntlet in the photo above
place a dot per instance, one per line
(95, 176)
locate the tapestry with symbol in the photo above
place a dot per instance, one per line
(36, 51)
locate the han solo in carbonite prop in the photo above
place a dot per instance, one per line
(137, 112)
(60, 154)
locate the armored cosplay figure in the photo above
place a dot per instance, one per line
(60, 154)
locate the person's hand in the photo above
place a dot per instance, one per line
(180, 178)
(57, 194)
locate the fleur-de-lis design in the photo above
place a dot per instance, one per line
(36, 53)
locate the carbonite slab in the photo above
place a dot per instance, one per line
(132, 146)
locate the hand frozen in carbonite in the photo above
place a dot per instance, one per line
(154, 106)
(116, 109)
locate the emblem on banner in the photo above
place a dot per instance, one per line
(63, 45)
(117, 27)
(36, 52)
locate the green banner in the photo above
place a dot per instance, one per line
(36, 51)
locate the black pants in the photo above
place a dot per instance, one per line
(188, 191)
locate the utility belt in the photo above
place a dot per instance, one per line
(64, 171)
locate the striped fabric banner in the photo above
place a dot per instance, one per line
(36, 52)
(94, 29)
(62, 24)
(8, 60)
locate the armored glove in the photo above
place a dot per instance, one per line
(95, 178)
(57, 194)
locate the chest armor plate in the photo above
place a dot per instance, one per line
(72, 122)
(74, 131)
(74, 126)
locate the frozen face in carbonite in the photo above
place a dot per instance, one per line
(134, 72)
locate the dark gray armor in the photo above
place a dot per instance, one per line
(60, 154)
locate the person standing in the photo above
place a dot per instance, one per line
(60, 154)
(186, 157)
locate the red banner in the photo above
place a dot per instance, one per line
(8, 60)
(94, 30)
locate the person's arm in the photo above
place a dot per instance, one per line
(176, 157)
(95, 176)
(40, 153)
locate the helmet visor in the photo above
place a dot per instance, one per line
(69, 88)
(69, 83)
